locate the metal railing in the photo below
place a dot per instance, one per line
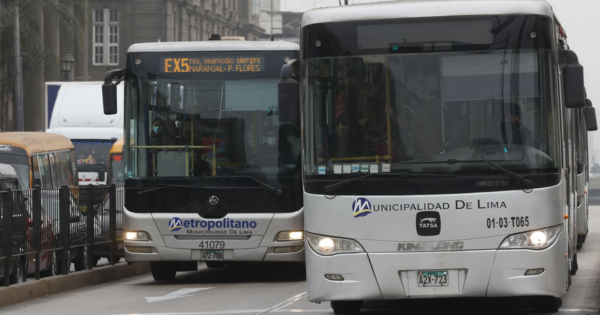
(52, 228)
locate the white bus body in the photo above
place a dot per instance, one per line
(198, 183)
(78, 115)
(479, 199)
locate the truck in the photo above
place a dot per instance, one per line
(74, 109)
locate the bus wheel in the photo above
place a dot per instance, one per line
(574, 265)
(546, 304)
(81, 262)
(163, 271)
(346, 307)
(19, 272)
(579, 242)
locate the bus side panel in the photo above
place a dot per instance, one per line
(142, 222)
(359, 281)
(284, 222)
(508, 275)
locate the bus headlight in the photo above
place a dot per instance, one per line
(290, 236)
(136, 236)
(538, 239)
(327, 245)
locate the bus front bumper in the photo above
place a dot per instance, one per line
(136, 253)
(485, 273)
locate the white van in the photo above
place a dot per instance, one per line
(78, 114)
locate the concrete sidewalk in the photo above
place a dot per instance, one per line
(33, 289)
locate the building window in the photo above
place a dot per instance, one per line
(106, 37)
(255, 7)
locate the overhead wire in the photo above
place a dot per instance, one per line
(309, 5)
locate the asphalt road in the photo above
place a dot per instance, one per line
(277, 289)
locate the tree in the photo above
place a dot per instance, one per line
(71, 18)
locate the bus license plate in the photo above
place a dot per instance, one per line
(212, 255)
(432, 278)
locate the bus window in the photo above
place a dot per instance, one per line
(74, 168)
(37, 178)
(56, 166)
(45, 171)
(67, 168)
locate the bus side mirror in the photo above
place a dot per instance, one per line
(288, 94)
(109, 91)
(589, 113)
(573, 81)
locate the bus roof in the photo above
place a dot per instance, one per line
(426, 8)
(36, 142)
(213, 46)
(117, 147)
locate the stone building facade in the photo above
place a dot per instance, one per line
(114, 25)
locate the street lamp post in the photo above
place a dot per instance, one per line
(67, 62)
(20, 125)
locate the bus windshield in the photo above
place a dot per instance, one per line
(433, 99)
(21, 165)
(92, 153)
(116, 174)
(198, 116)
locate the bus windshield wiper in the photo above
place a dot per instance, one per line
(520, 179)
(265, 185)
(400, 175)
(277, 191)
(147, 191)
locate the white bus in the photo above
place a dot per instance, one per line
(211, 174)
(78, 115)
(438, 151)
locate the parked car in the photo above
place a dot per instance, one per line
(116, 176)
(49, 258)
(77, 228)
(20, 217)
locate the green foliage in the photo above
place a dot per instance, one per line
(71, 19)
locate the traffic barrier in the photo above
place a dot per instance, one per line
(43, 231)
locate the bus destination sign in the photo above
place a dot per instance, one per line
(237, 64)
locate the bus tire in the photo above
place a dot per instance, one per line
(163, 271)
(546, 304)
(574, 265)
(579, 242)
(346, 307)
(115, 260)
(81, 262)
(19, 272)
(53, 266)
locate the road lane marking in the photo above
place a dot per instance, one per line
(326, 310)
(236, 312)
(199, 313)
(176, 295)
(283, 304)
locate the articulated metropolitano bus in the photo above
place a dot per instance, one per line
(211, 174)
(438, 151)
